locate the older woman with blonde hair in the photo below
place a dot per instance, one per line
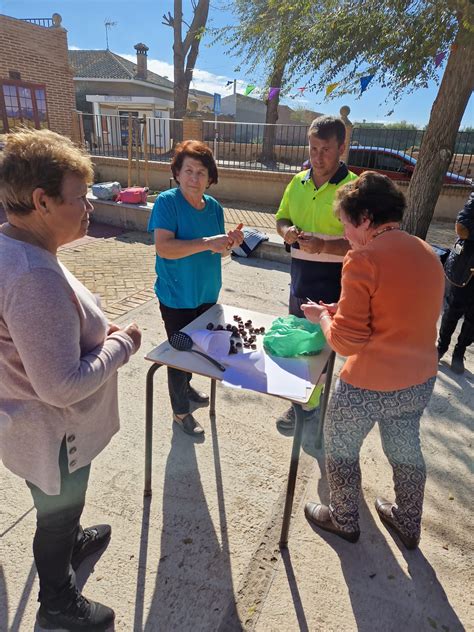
(58, 364)
(385, 323)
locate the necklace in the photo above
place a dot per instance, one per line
(384, 230)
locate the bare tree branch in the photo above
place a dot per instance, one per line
(168, 20)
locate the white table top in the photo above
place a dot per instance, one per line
(289, 378)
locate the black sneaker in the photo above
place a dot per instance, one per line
(93, 539)
(287, 421)
(81, 614)
(457, 362)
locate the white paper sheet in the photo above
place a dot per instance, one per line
(255, 370)
(214, 343)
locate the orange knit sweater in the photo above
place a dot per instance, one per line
(392, 291)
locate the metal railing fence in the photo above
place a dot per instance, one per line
(256, 146)
(118, 136)
(408, 142)
(47, 22)
(259, 146)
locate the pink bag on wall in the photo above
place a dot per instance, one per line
(133, 195)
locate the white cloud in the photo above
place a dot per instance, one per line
(208, 81)
(202, 79)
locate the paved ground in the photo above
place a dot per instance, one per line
(202, 555)
(120, 265)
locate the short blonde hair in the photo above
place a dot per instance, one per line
(34, 159)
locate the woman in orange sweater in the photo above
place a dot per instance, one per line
(385, 324)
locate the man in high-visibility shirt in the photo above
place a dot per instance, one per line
(307, 223)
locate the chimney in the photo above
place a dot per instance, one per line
(141, 61)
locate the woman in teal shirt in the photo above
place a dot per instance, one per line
(189, 233)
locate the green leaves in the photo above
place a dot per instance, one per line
(342, 40)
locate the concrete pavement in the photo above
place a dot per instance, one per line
(203, 554)
(120, 265)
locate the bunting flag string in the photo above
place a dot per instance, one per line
(272, 93)
(364, 82)
(439, 58)
(331, 87)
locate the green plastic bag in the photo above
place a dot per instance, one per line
(292, 336)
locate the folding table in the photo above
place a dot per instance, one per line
(303, 373)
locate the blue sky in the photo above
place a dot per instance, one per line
(140, 21)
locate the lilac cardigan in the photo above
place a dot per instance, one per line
(58, 368)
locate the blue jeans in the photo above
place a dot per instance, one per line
(352, 413)
(58, 530)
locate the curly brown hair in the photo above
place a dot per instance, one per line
(373, 196)
(33, 159)
(197, 150)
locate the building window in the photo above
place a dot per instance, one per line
(22, 104)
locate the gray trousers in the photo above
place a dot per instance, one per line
(352, 414)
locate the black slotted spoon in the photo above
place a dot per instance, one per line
(180, 341)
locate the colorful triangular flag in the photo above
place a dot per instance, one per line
(364, 82)
(439, 58)
(301, 90)
(331, 87)
(250, 88)
(272, 93)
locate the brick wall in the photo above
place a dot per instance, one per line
(39, 54)
(192, 127)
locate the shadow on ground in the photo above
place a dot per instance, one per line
(193, 582)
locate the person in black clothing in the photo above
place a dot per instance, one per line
(460, 299)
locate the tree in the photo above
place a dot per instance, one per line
(262, 39)
(185, 51)
(276, 79)
(397, 41)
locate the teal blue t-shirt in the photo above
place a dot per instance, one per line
(191, 281)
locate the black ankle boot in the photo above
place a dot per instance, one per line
(457, 361)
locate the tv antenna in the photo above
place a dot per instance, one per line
(108, 25)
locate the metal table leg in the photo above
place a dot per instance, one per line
(149, 426)
(290, 490)
(324, 402)
(212, 406)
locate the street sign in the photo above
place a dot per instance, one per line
(217, 103)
